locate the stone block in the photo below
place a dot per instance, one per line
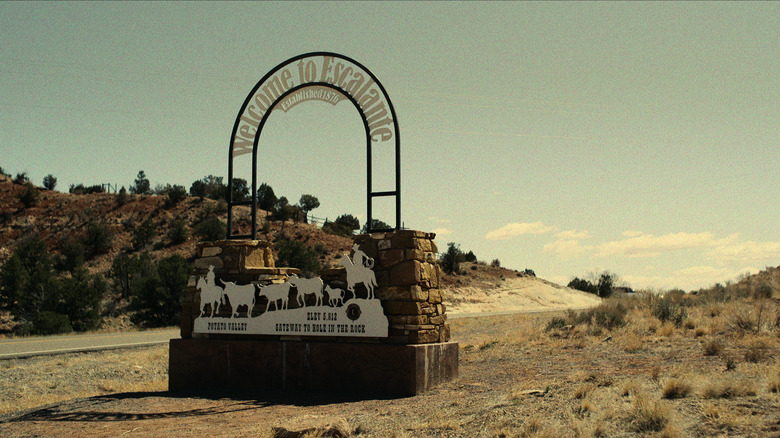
(405, 307)
(424, 336)
(434, 296)
(391, 257)
(210, 251)
(418, 319)
(406, 274)
(438, 319)
(226, 366)
(205, 262)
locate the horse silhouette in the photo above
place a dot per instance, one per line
(359, 274)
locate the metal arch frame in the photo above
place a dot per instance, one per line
(370, 195)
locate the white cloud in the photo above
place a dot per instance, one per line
(632, 233)
(566, 248)
(515, 229)
(574, 235)
(730, 250)
(648, 245)
(442, 231)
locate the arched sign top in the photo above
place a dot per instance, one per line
(323, 76)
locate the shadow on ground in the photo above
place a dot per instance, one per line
(89, 409)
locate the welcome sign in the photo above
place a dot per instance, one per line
(319, 76)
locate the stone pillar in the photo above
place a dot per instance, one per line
(408, 281)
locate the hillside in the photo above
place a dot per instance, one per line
(58, 218)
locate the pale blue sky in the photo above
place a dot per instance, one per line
(562, 137)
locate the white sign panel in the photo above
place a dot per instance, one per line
(330, 315)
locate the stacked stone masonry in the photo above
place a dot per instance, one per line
(408, 280)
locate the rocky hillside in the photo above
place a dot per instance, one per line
(58, 217)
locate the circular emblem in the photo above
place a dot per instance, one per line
(353, 312)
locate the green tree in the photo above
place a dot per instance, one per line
(49, 182)
(376, 224)
(144, 234)
(27, 279)
(606, 284)
(450, 261)
(295, 254)
(141, 185)
(583, 285)
(210, 187)
(240, 190)
(98, 239)
(127, 269)
(470, 257)
(72, 255)
(80, 296)
(157, 296)
(344, 225)
(176, 194)
(178, 232)
(266, 199)
(308, 203)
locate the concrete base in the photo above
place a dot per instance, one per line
(198, 365)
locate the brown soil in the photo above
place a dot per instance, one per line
(516, 379)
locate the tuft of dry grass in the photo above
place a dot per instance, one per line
(712, 347)
(728, 388)
(648, 415)
(676, 388)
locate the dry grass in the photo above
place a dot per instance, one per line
(44, 380)
(676, 388)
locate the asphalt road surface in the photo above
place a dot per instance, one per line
(43, 345)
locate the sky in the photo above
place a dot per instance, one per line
(568, 138)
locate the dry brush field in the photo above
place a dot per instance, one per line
(634, 366)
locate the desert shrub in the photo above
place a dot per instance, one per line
(211, 229)
(4, 173)
(762, 291)
(555, 323)
(21, 178)
(176, 194)
(144, 234)
(496, 263)
(72, 255)
(178, 232)
(376, 224)
(49, 182)
(156, 295)
(295, 254)
(667, 311)
(712, 347)
(530, 272)
(757, 350)
(583, 285)
(470, 257)
(609, 315)
(98, 239)
(81, 189)
(121, 197)
(50, 323)
(29, 195)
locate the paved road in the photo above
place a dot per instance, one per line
(43, 345)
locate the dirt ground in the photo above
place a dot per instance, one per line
(516, 379)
